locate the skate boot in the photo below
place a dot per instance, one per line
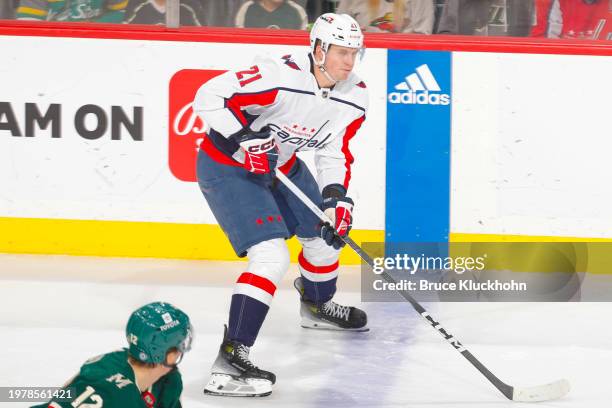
(330, 315)
(234, 375)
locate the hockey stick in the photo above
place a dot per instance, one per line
(544, 392)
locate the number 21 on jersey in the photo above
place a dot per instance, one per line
(248, 75)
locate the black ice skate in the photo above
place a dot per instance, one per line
(330, 315)
(234, 375)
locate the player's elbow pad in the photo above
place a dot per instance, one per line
(207, 100)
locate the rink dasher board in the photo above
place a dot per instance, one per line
(126, 81)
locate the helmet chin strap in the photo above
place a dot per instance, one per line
(321, 66)
(327, 74)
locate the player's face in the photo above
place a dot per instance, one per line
(340, 61)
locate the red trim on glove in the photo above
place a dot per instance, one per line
(209, 148)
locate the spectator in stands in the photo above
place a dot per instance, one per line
(397, 16)
(154, 12)
(223, 13)
(272, 14)
(7, 9)
(314, 8)
(584, 19)
(439, 5)
(486, 17)
(99, 11)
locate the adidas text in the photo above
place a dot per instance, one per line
(419, 98)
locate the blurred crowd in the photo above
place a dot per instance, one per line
(584, 19)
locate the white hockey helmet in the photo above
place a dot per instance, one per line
(338, 29)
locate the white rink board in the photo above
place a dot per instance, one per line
(530, 136)
(126, 180)
(531, 145)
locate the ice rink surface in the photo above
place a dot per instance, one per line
(57, 311)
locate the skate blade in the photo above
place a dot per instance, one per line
(323, 325)
(227, 386)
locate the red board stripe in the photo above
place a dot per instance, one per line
(296, 37)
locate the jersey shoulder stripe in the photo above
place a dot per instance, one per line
(354, 105)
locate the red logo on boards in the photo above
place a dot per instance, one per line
(185, 128)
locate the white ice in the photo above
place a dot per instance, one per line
(57, 311)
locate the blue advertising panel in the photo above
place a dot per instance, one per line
(418, 146)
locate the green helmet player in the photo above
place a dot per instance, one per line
(145, 375)
(156, 328)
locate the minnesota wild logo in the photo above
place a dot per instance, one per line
(384, 23)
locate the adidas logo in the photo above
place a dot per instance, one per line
(419, 88)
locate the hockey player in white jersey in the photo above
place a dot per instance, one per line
(258, 118)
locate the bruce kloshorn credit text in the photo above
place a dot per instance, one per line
(457, 264)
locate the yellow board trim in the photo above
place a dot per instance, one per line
(135, 239)
(595, 255)
(459, 237)
(199, 241)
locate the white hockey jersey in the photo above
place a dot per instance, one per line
(283, 94)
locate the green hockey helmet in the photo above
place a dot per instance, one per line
(156, 328)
